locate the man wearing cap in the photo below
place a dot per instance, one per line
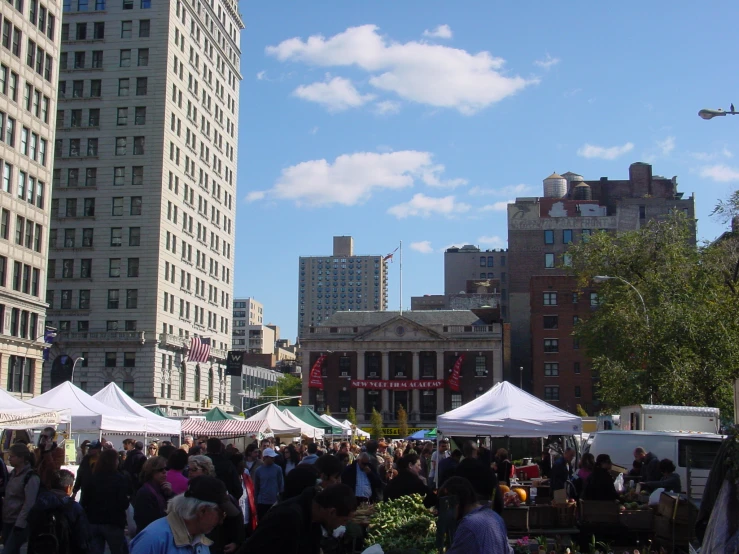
(436, 458)
(304, 523)
(133, 463)
(84, 472)
(599, 484)
(189, 517)
(268, 482)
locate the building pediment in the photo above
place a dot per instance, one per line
(399, 329)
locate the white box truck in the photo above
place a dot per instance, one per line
(651, 417)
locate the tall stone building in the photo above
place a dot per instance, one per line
(142, 241)
(246, 312)
(29, 56)
(469, 263)
(543, 300)
(340, 282)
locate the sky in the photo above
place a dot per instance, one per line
(418, 121)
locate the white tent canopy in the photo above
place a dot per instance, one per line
(358, 432)
(507, 411)
(113, 396)
(305, 429)
(346, 429)
(16, 414)
(271, 420)
(88, 414)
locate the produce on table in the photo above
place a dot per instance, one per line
(403, 524)
(504, 489)
(520, 492)
(511, 500)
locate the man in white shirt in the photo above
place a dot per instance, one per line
(436, 457)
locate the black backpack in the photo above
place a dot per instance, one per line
(49, 528)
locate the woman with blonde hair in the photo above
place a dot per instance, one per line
(151, 499)
(152, 450)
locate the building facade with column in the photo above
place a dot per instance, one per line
(29, 69)
(382, 360)
(141, 251)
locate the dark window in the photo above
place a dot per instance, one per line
(550, 298)
(702, 453)
(491, 261)
(575, 298)
(483, 261)
(594, 301)
(551, 369)
(113, 299)
(110, 359)
(129, 359)
(642, 212)
(134, 236)
(578, 392)
(576, 368)
(549, 237)
(551, 393)
(567, 236)
(132, 298)
(345, 366)
(551, 346)
(551, 322)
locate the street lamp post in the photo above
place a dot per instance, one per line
(79, 359)
(520, 381)
(710, 114)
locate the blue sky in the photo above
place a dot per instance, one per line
(418, 120)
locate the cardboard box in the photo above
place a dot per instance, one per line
(676, 507)
(516, 519)
(596, 511)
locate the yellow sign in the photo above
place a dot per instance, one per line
(395, 431)
(70, 452)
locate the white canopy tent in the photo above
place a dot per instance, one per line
(113, 396)
(16, 414)
(346, 430)
(88, 415)
(271, 420)
(507, 411)
(305, 429)
(358, 432)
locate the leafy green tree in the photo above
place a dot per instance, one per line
(579, 410)
(402, 422)
(682, 346)
(352, 415)
(376, 424)
(327, 411)
(286, 385)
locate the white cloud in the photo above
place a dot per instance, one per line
(666, 146)
(720, 173)
(497, 207)
(352, 178)
(261, 75)
(424, 247)
(603, 152)
(707, 157)
(429, 74)
(548, 62)
(509, 190)
(425, 206)
(255, 195)
(442, 31)
(314, 130)
(495, 241)
(387, 107)
(335, 94)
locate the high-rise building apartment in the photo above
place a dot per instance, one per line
(469, 263)
(546, 303)
(29, 55)
(340, 282)
(246, 312)
(142, 240)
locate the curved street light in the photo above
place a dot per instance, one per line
(604, 278)
(710, 114)
(79, 359)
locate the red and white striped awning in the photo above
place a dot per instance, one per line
(224, 428)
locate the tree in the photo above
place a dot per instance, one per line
(684, 348)
(579, 410)
(327, 411)
(286, 385)
(352, 415)
(376, 424)
(402, 422)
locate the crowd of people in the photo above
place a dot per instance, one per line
(207, 497)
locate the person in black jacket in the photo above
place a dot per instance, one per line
(225, 470)
(649, 464)
(481, 476)
(408, 482)
(297, 525)
(58, 501)
(150, 502)
(133, 463)
(350, 476)
(105, 499)
(84, 471)
(503, 467)
(599, 485)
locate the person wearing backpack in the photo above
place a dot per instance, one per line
(57, 524)
(20, 496)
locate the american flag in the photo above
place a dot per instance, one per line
(199, 350)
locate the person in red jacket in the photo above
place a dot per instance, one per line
(49, 457)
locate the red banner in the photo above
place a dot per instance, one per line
(315, 380)
(400, 384)
(454, 377)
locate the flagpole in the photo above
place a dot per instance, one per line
(401, 277)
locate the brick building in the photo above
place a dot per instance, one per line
(383, 360)
(540, 230)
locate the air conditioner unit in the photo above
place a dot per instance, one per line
(344, 374)
(400, 374)
(373, 374)
(344, 410)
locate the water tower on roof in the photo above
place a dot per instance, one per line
(555, 186)
(573, 179)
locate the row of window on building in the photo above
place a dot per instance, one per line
(36, 57)
(552, 298)
(96, 30)
(95, 87)
(489, 261)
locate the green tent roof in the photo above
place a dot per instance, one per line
(216, 414)
(158, 411)
(307, 415)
